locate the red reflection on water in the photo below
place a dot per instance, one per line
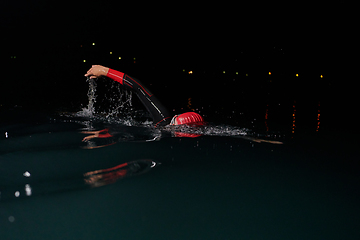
(293, 118)
(318, 117)
(266, 117)
(106, 176)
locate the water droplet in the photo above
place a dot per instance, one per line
(28, 190)
(11, 219)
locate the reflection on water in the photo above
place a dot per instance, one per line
(31, 186)
(318, 117)
(222, 185)
(103, 177)
(293, 118)
(266, 117)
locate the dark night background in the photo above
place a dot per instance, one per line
(44, 45)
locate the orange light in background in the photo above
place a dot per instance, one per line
(191, 72)
(297, 75)
(269, 73)
(321, 76)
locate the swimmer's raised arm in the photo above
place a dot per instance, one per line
(97, 71)
(160, 115)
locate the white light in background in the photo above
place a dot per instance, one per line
(26, 174)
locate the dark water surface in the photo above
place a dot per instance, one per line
(223, 185)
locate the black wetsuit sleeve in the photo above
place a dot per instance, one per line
(157, 110)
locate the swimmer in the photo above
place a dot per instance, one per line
(158, 112)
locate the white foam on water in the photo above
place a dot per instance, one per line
(210, 130)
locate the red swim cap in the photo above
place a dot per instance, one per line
(189, 118)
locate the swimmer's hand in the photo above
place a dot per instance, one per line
(97, 71)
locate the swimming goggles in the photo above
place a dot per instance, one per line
(173, 120)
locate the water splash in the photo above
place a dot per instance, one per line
(115, 105)
(210, 130)
(120, 102)
(225, 131)
(89, 111)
